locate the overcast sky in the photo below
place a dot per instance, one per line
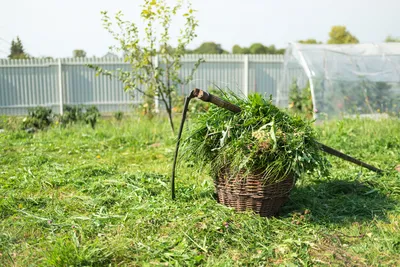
(57, 27)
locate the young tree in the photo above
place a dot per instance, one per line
(17, 50)
(79, 53)
(145, 76)
(340, 35)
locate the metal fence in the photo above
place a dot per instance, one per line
(58, 82)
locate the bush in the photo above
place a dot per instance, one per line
(91, 115)
(118, 115)
(76, 114)
(71, 114)
(300, 100)
(38, 118)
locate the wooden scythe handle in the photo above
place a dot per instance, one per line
(207, 97)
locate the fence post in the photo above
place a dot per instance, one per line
(60, 87)
(156, 103)
(246, 75)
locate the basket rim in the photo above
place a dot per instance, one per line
(243, 175)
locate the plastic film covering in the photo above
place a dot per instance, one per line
(345, 80)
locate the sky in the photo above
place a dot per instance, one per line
(56, 27)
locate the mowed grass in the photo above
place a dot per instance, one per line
(83, 197)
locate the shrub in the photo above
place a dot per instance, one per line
(300, 100)
(79, 113)
(38, 118)
(71, 114)
(91, 115)
(118, 115)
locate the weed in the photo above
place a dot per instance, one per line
(118, 115)
(12, 124)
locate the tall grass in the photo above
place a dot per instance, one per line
(76, 196)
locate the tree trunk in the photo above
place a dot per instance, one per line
(168, 107)
(171, 122)
(169, 100)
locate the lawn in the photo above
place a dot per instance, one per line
(76, 196)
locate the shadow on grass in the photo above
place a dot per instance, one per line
(339, 202)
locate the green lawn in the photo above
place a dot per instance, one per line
(83, 197)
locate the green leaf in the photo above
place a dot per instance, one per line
(272, 134)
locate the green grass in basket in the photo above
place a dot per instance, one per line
(259, 138)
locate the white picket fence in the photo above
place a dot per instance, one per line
(58, 82)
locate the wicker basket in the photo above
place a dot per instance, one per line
(249, 193)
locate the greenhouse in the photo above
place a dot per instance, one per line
(344, 80)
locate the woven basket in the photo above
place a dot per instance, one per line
(249, 193)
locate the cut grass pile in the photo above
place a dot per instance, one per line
(83, 197)
(260, 138)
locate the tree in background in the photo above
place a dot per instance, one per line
(309, 41)
(391, 39)
(79, 53)
(340, 35)
(209, 48)
(236, 49)
(273, 50)
(257, 48)
(17, 50)
(145, 76)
